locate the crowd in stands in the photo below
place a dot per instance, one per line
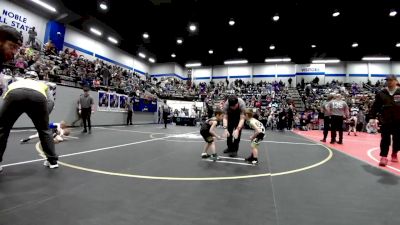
(358, 97)
(270, 100)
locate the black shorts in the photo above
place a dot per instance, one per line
(207, 136)
(258, 139)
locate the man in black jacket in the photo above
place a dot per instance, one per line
(387, 105)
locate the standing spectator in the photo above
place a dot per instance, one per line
(290, 82)
(282, 119)
(159, 114)
(387, 105)
(290, 116)
(338, 110)
(105, 72)
(233, 123)
(165, 112)
(86, 105)
(129, 106)
(361, 121)
(32, 36)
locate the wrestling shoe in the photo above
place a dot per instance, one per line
(214, 157)
(383, 162)
(205, 155)
(51, 166)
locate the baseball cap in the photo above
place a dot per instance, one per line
(391, 77)
(232, 100)
(11, 34)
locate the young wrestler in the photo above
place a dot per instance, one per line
(256, 138)
(207, 130)
(60, 130)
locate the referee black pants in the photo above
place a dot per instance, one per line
(86, 113)
(34, 104)
(233, 144)
(388, 130)
(336, 125)
(327, 125)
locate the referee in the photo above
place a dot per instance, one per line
(233, 123)
(30, 97)
(85, 105)
(327, 117)
(338, 109)
(387, 105)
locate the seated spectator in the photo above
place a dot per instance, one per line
(372, 127)
(20, 63)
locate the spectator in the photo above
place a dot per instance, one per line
(32, 36)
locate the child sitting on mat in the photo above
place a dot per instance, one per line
(256, 138)
(207, 130)
(60, 130)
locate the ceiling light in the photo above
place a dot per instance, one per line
(277, 60)
(173, 55)
(313, 46)
(336, 14)
(326, 61)
(193, 65)
(398, 45)
(142, 55)
(275, 18)
(211, 51)
(95, 31)
(192, 27)
(354, 45)
(240, 49)
(45, 5)
(152, 60)
(393, 13)
(244, 61)
(145, 35)
(231, 22)
(103, 6)
(376, 58)
(272, 47)
(113, 40)
(179, 41)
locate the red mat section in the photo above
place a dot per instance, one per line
(364, 147)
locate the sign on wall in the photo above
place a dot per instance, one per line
(21, 19)
(305, 69)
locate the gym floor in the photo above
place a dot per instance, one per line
(148, 175)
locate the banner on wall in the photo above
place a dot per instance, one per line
(112, 102)
(310, 69)
(14, 19)
(23, 20)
